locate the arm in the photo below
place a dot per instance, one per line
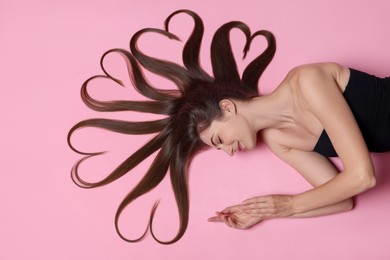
(316, 88)
(317, 170)
(321, 95)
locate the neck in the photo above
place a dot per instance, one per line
(274, 110)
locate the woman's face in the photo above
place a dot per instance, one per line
(232, 133)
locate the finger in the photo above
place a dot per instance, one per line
(240, 224)
(232, 222)
(226, 220)
(218, 213)
(236, 222)
(232, 209)
(215, 219)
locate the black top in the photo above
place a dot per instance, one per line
(369, 99)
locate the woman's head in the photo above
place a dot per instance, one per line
(210, 110)
(201, 111)
(232, 132)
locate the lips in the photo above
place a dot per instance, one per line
(234, 150)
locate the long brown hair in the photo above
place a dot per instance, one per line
(188, 110)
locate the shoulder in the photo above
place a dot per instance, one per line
(310, 74)
(314, 68)
(312, 81)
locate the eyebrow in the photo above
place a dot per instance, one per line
(212, 142)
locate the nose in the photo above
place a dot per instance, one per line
(228, 149)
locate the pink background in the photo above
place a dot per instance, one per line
(48, 48)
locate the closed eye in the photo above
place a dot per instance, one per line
(214, 144)
(219, 142)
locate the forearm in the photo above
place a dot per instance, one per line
(340, 188)
(327, 210)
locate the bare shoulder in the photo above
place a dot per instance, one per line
(309, 74)
(313, 68)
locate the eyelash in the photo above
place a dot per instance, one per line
(219, 142)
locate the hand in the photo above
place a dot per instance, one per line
(235, 217)
(254, 210)
(271, 206)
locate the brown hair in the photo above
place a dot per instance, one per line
(189, 109)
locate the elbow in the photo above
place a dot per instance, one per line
(369, 182)
(372, 183)
(360, 179)
(366, 181)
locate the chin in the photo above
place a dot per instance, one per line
(251, 145)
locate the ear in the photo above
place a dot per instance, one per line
(228, 106)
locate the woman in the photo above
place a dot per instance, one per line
(315, 108)
(292, 119)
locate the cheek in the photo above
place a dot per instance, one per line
(242, 132)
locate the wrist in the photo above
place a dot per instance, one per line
(294, 209)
